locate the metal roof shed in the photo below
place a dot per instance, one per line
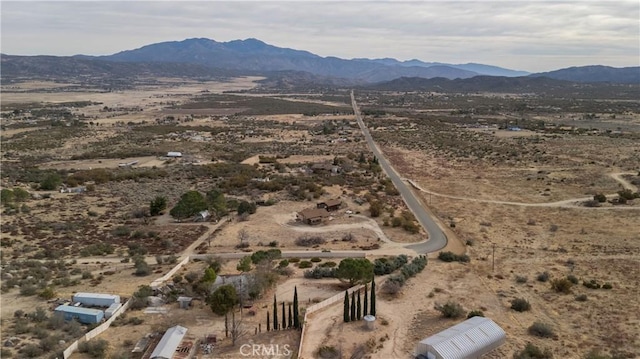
(167, 346)
(82, 315)
(470, 339)
(96, 299)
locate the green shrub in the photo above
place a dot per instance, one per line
(305, 264)
(328, 264)
(541, 330)
(283, 263)
(450, 309)
(475, 313)
(452, 257)
(121, 231)
(581, 298)
(520, 305)
(607, 286)
(316, 259)
(294, 260)
(573, 279)
(521, 279)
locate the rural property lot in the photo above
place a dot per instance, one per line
(519, 204)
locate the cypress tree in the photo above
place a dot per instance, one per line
(346, 307)
(358, 308)
(365, 307)
(296, 313)
(275, 313)
(290, 321)
(268, 321)
(353, 306)
(284, 318)
(373, 298)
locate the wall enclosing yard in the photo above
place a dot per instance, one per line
(319, 306)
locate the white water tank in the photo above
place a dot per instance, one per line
(370, 322)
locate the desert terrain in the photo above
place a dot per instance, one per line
(532, 198)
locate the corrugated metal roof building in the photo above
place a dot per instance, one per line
(96, 299)
(169, 343)
(472, 338)
(82, 315)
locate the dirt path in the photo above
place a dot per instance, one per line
(626, 184)
(568, 203)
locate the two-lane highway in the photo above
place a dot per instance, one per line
(437, 239)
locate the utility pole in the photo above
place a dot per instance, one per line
(493, 257)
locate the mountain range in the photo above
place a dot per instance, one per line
(200, 57)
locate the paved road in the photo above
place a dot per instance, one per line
(437, 239)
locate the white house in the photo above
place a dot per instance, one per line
(174, 154)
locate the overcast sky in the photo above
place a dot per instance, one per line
(523, 35)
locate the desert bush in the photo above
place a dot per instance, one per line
(543, 277)
(309, 241)
(95, 348)
(320, 272)
(283, 263)
(521, 279)
(592, 284)
(450, 309)
(121, 231)
(31, 351)
(328, 352)
(520, 305)
(329, 264)
(533, 352)
(141, 266)
(541, 330)
(28, 290)
(452, 257)
(573, 279)
(305, 264)
(273, 244)
(561, 285)
(47, 293)
(581, 298)
(592, 203)
(315, 260)
(553, 228)
(475, 313)
(294, 260)
(391, 287)
(607, 286)
(600, 198)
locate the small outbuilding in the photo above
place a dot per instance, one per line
(170, 341)
(82, 315)
(113, 308)
(96, 299)
(472, 338)
(185, 302)
(173, 154)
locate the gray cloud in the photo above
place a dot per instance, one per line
(534, 35)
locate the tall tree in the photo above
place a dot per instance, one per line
(353, 307)
(373, 298)
(290, 321)
(358, 308)
(345, 315)
(268, 321)
(365, 306)
(190, 204)
(222, 301)
(275, 313)
(284, 317)
(296, 313)
(355, 270)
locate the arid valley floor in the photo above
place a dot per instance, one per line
(510, 178)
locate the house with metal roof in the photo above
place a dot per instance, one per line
(82, 315)
(96, 299)
(472, 338)
(169, 343)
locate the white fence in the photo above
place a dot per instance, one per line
(316, 307)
